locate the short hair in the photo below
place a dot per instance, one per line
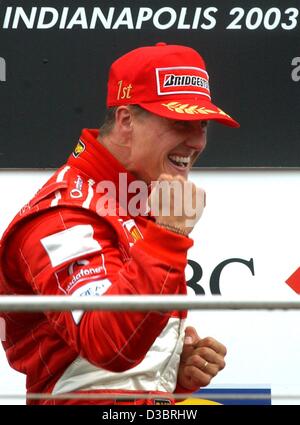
(109, 121)
(110, 118)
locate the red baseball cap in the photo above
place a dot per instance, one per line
(167, 80)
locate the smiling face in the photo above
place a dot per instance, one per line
(161, 145)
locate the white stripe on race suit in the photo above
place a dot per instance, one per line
(90, 195)
(59, 178)
(70, 243)
(55, 201)
(61, 174)
(156, 372)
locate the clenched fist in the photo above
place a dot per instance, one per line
(176, 203)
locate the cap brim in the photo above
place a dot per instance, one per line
(188, 110)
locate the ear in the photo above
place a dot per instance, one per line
(124, 123)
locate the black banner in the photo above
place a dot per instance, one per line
(144, 414)
(55, 56)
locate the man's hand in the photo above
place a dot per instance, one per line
(200, 361)
(176, 202)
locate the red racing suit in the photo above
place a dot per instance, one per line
(61, 244)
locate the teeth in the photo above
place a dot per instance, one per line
(184, 159)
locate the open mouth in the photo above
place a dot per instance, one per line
(181, 162)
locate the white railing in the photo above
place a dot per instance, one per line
(138, 303)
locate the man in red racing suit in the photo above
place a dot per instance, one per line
(61, 243)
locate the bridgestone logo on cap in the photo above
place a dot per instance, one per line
(172, 80)
(182, 80)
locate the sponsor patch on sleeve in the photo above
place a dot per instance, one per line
(90, 289)
(71, 276)
(79, 148)
(70, 244)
